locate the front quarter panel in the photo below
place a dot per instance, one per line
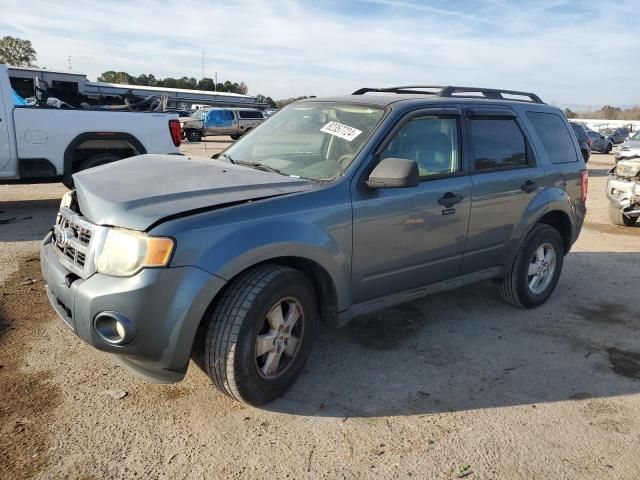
(313, 225)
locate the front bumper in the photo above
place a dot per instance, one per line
(623, 194)
(165, 305)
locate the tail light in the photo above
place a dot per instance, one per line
(176, 131)
(584, 185)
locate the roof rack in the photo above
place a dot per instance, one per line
(451, 91)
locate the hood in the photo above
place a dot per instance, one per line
(631, 144)
(139, 191)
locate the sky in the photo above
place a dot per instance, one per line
(577, 54)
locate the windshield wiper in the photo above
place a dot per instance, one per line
(260, 166)
(227, 156)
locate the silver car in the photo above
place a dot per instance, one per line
(234, 122)
(629, 149)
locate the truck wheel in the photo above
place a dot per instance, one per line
(619, 218)
(260, 333)
(235, 136)
(535, 270)
(194, 135)
(97, 160)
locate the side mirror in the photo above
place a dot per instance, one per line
(394, 173)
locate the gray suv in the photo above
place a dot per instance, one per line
(332, 208)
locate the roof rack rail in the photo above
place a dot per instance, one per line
(451, 91)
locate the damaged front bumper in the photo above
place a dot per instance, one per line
(624, 194)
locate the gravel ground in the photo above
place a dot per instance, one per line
(456, 384)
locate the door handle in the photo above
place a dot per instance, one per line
(449, 199)
(529, 186)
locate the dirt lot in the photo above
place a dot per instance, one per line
(458, 383)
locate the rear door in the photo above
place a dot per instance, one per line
(405, 238)
(5, 145)
(505, 176)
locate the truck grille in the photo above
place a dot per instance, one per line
(75, 241)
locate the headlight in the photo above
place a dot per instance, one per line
(66, 201)
(126, 252)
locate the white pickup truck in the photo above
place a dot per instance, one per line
(43, 144)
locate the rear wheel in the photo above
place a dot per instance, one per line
(608, 148)
(235, 136)
(194, 135)
(536, 269)
(260, 333)
(618, 218)
(90, 162)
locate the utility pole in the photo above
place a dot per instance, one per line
(215, 88)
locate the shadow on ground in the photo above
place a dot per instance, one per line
(466, 349)
(27, 220)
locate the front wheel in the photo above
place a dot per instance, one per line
(536, 269)
(194, 135)
(235, 136)
(618, 218)
(608, 148)
(260, 333)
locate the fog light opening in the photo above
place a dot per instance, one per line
(114, 328)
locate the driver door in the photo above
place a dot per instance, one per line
(405, 238)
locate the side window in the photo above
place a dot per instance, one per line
(430, 140)
(497, 143)
(555, 137)
(227, 116)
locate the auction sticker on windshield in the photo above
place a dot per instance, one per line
(340, 130)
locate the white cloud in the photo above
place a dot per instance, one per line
(583, 53)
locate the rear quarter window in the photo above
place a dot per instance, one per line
(249, 114)
(555, 137)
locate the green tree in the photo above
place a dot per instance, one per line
(569, 114)
(206, 84)
(17, 52)
(262, 99)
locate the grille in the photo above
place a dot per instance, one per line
(74, 241)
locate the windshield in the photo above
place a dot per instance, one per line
(309, 140)
(198, 114)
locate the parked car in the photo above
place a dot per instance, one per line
(623, 192)
(222, 121)
(40, 143)
(599, 143)
(616, 135)
(629, 149)
(333, 208)
(583, 139)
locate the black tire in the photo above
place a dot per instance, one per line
(619, 218)
(97, 160)
(608, 148)
(235, 136)
(230, 355)
(514, 287)
(193, 135)
(93, 161)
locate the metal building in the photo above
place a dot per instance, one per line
(23, 81)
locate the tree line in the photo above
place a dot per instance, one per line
(607, 113)
(189, 83)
